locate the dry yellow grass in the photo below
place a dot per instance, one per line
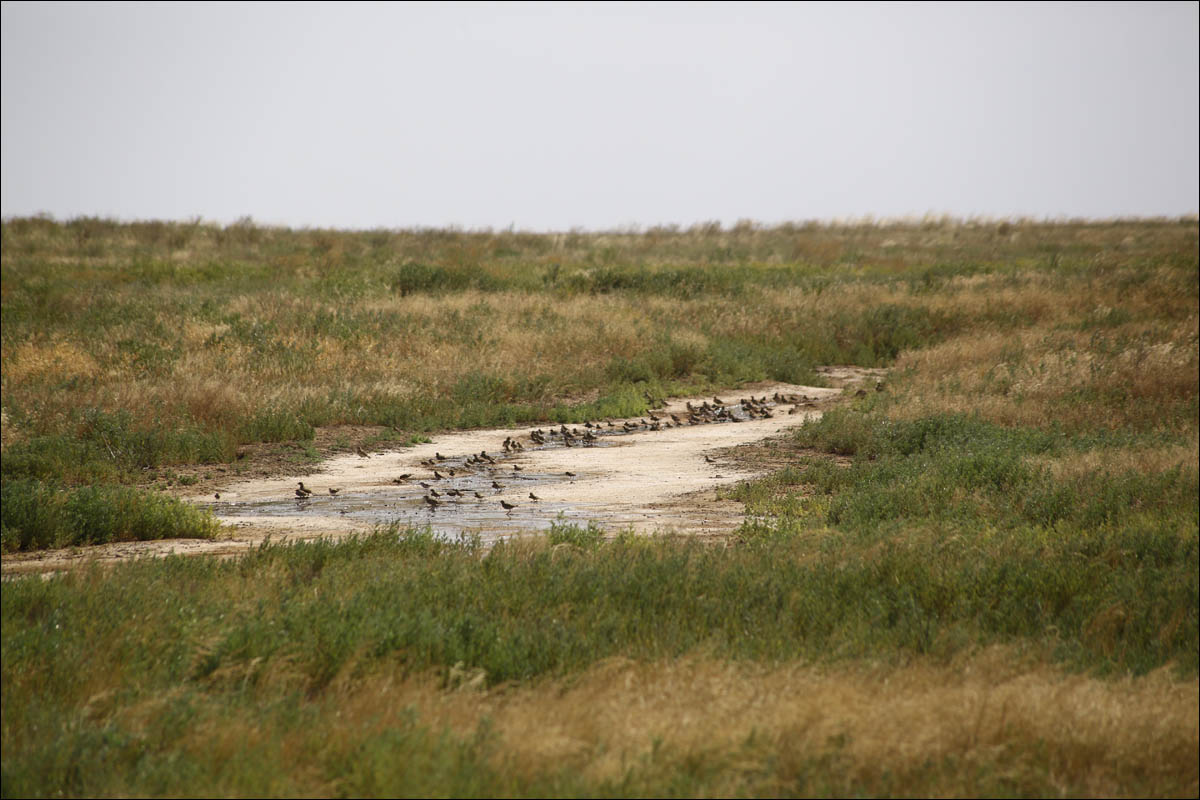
(1121, 459)
(573, 336)
(1028, 377)
(921, 729)
(51, 357)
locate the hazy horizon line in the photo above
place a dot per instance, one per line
(864, 220)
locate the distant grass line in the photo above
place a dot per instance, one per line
(128, 349)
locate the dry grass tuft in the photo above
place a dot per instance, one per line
(1040, 377)
(1116, 460)
(916, 729)
(52, 358)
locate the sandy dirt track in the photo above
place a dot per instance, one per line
(644, 480)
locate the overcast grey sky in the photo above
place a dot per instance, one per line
(577, 115)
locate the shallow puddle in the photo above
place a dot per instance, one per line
(467, 497)
(641, 474)
(406, 505)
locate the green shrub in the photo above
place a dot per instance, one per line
(36, 516)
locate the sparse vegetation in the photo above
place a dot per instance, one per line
(979, 580)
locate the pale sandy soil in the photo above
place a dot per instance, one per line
(645, 481)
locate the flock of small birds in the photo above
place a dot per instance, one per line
(443, 468)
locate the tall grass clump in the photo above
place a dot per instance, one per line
(37, 515)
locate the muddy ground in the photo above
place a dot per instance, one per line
(642, 474)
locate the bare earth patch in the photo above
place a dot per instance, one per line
(643, 480)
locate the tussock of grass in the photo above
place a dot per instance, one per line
(38, 516)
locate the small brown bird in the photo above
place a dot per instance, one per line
(516, 468)
(508, 506)
(570, 474)
(424, 485)
(478, 496)
(334, 491)
(861, 393)
(217, 496)
(533, 496)
(303, 491)
(437, 476)
(432, 503)
(439, 456)
(496, 485)
(434, 492)
(361, 452)
(709, 460)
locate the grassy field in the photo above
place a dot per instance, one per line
(980, 580)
